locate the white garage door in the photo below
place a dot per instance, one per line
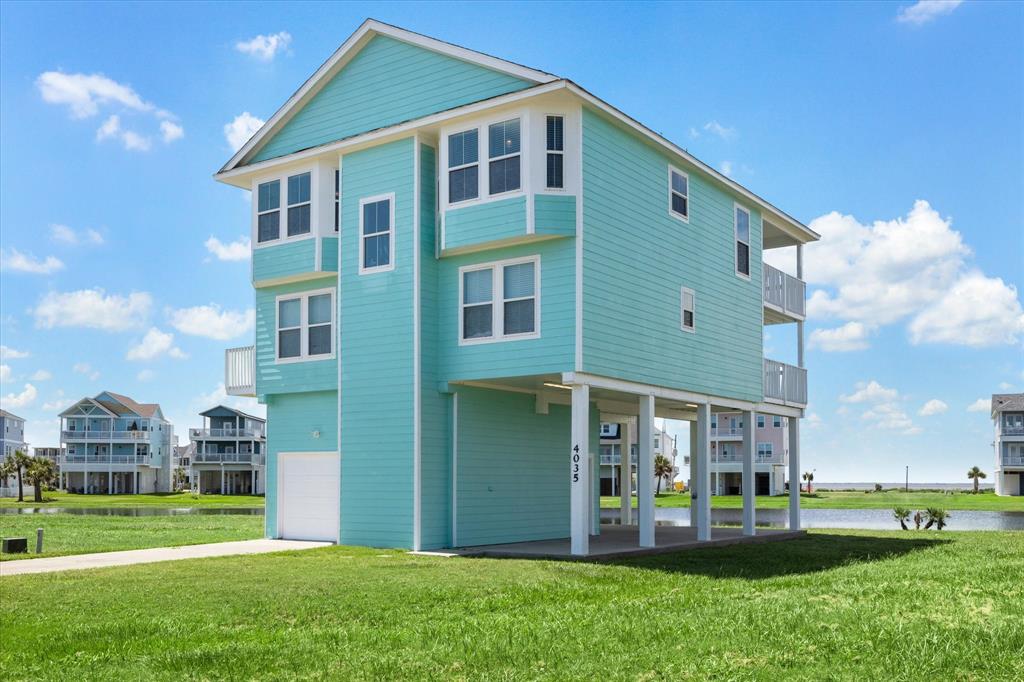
(308, 499)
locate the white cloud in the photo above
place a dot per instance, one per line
(5, 374)
(8, 353)
(933, 407)
(980, 405)
(66, 235)
(716, 128)
(110, 128)
(923, 11)
(725, 167)
(171, 131)
(890, 416)
(58, 403)
(145, 375)
(135, 142)
(870, 392)
(241, 128)
(41, 375)
(94, 309)
(265, 47)
(84, 93)
(131, 140)
(212, 322)
(977, 311)
(812, 420)
(13, 401)
(1005, 386)
(16, 261)
(236, 250)
(849, 337)
(86, 369)
(154, 344)
(694, 133)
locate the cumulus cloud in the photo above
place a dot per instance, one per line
(265, 47)
(13, 401)
(933, 407)
(154, 344)
(58, 403)
(41, 375)
(145, 375)
(94, 309)
(8, 353)
(849, 337)
(719, 130)
(16, 261)
(86, 369)
(980, 405)
(170, 131)
(870, 392)
(236, 250)
(66, 235)
(212, 322)
(241, 128)
(923, 11)
(977, 311)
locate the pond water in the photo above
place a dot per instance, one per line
(136, 511)
(868, 519)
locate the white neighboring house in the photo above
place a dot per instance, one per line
(1008, 420)
(229, 453)
(771, 438)
(115, 445)
(183, 460)
(613, 435)
(12, 435)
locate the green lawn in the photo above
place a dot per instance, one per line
(75, 534)
(56, 499)
(834, 605)
(986, 501)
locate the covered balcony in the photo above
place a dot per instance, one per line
(785, 384)
(240, 371)
(784, 296)
(226, 432)
(254, 458)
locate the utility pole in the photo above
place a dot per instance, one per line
(906, 485)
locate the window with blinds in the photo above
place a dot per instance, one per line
(503, 147)
(687, 310)
(678, 194)
(742, 241)
(555, 144)
(498, 301)
(463, 166)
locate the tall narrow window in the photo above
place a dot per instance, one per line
(556, 151)
(337, 199)
(319, 316)
(298, 204)
(777, 421)
(688, 310)
(463, 167)
(477, 304)
(760, 421)
(503, 151)
(268, 211)
(679, 194)
(519, 295)
(742, 241)
(289, 328)
(377, 233)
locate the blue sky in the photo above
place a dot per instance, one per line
(895, 129)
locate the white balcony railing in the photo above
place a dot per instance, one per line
(106, 459)
(784, 292)
(225, 433)
(727, 432)
(105, 435)
(785, 383)
(228, 458)
(240, 371)
(735, 457)
(1014, 430)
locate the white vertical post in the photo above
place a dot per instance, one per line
(794, 473)
(694, 473)
(645, 470)
(749, 486)
(252, 478)
(579, 472)
(222, 478)
(595, 494)
(625, 474)
(702, 485)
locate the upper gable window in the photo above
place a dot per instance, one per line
(503, 150)
(268, 211)
(555, 145)
(742, 241)
(463, 166)
(679, 194)
(298, 204)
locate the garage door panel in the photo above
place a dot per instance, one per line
(309, 496)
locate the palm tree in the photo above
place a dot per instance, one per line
(901, 514)
(21, 462)
(976, 474)
(917, 520)
(936, 517)
(179, 478)
(808, 476)
(40, 471)
(662, 469)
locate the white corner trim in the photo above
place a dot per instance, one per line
(417, 414)
(455, 468)
(578, 364)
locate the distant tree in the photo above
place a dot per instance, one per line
(901, 514)
(179, 478)
(809, 477)
(7, 469)
(878, 487)
(662, 469)
(40, 472)
(936, 517)
(976, 474)
(20, 462)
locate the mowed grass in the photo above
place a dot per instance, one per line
(58, 499)
(834, 605)
(985, 501)
(75, 534)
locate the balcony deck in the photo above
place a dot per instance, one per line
(784, 297)
(227, 433)
(252, 458)
(785, 384)
(104, 436)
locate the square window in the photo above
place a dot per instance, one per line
(320, 340)
(298, 189)
(298, 220)
(504, 175)
(269, 196)
(268, 226)
(463, 184)
(503, 138)
(289, 343)
(519, 316)
(320, 309)
(477, 321)
(289, 313)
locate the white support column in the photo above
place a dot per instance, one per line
(794, 473)
(222, 478)
(645, 470)
(625, 474)
(579, 472)
(749, 486)
(702, 486)
(595, 494)
(694, 474)
(252, 478)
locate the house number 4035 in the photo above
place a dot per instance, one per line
(575, 463)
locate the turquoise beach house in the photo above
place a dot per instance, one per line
(462, 267)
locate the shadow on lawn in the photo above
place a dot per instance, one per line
(809, 554)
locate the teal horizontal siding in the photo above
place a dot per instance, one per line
(555, 214)
(283, 260)
(387, 82)
(289, 377)
(329, 254)
(635, 259)
(487, 222)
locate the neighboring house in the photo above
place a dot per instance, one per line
(55, 455)
(1008, 419)
(229, 453)
(771, 455)
(183, 460)
(113, 445)
(612, 436)
(462, 266)
(12, 435)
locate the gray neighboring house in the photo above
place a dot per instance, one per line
(12, 435)
(1008, 421)
(229, 453)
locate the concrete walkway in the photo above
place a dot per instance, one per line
(148, 556)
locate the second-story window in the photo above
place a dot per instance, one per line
(499, 301)
(764, 450)
(377, 234)
(463, 167)
(742, 241)
(503, 150)
(555, 144)
(760, 421)
(298, 204)
(679, 194)
(305, 325)
(268, 211)
(289, 328)
(688, 310)
(777, 421)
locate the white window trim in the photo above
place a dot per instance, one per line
(736, 208)
(483, 157)
(761, 421)
(498, 301)
(389, 197)
(671, 211)
(774, 419)
(770, 448)
(450, 169)
(502, 157)
(682, 310)
(282, 178)
(560, 152)
(288, 206)
(303, 298)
